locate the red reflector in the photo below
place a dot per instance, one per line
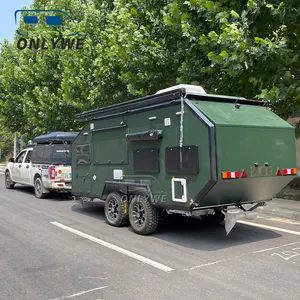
(278, 172)
(59, 184)
(244, 174)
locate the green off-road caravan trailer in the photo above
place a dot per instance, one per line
(182, 151)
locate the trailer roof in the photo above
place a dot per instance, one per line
(169, 96)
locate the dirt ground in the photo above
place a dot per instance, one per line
(291, 191)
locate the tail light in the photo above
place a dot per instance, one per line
(289, 171)
(52, 172)
(230, 175)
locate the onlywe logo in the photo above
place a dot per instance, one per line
(50, 21)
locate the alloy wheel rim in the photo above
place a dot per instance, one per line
(38, 187)
(139, 214)
(113, 209)
(7, 179)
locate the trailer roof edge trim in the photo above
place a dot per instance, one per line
(168, 96)
(131, 104)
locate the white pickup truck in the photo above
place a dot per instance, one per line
(38, 172)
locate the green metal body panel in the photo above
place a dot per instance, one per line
(226, 114)
(228, 139)
(110, 145)
(245, 136)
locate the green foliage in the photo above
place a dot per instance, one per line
(297, 130)
(135, 47)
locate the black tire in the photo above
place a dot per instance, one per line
(38, 188)
(143, 215)
(9, 184)
(116, 209)
(217, 218)
(82, 204)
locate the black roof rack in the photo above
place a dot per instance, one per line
(155, 99)
(31, 145)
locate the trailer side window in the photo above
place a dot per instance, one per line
(190, 161)
(146, 160)
(83, 154)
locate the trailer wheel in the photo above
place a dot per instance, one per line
(116, 209)
(216, 218)
(143, 216)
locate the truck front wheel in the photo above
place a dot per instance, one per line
(116, 209)
(9, 184)
(38, 188)
(143, 215)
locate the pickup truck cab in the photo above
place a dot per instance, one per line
(45, 166)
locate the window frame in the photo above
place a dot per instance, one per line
(20, 154)
(29, 152)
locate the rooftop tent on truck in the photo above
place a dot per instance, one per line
(55, 137)
(182, 151)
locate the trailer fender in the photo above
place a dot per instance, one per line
(128, 188)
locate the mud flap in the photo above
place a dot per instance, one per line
(233, 217)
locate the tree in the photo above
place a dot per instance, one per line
(135, 47)
(245, 48)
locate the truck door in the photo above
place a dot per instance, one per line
(17, 167)
(26, 168)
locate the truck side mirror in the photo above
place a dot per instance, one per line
(11, 160)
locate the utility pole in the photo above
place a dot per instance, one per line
(22, 138)
(15, 145)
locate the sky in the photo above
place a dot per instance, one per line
(7, 19)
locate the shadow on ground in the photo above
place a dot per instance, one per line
(191, 233)
(51, 197)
